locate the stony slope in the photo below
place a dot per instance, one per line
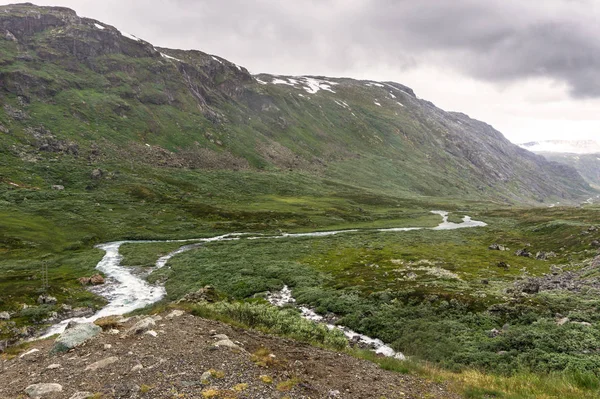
(79, 90)
(177, 362)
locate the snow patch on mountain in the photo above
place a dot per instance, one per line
(169, 57)
(310, 85)
(130, 36)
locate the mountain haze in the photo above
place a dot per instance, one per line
(77, 89)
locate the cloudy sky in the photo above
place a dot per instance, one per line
(530, 68)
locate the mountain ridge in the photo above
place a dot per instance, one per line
(94, 86)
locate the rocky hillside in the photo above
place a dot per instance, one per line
(80, 92)
(588, 165)
(177, 355)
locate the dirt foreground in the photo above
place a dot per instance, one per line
(191, 358)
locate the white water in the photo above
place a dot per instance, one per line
(284, 297)
(126, 292)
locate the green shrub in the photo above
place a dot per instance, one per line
(270, 319)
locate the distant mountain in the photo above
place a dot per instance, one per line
(583, 155)
(588, 165)
(78, 91)
(564, 146)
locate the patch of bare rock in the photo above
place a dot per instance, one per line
(191, 357)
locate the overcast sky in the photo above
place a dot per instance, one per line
(530, 68)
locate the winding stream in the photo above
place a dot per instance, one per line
(126, 291)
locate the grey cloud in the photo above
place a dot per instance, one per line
(492, 40)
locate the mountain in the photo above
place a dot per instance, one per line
(81, 92)
(564, 146)
(583, 155)
(588, 165)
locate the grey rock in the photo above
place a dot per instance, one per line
(46, 300)
(220, 337)
(175, 313)
(582, 323)
(4, 316)
(493, 333)
(137, 367)
(227, 343)
(54, 366)
(58, 187)
(523, 252)
(141, 326)
(96, 174)
(497, 247)
(503, 265)
(40, 390)
(75, 336)
(9, 36)
(102, 363)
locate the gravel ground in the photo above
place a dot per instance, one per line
(182, 362)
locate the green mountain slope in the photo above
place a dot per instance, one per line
(80, 92)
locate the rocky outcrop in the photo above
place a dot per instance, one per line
(204, 294)
(46, 300)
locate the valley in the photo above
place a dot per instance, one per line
(191, 184)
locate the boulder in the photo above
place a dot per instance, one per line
(97, 279)
(595, 244)
(175, 313)
(497, 247)
(96, 174)
(523, 252)
(102, 363)
(58, 187)
(204, 294)
(227, 344)
(84, 280)
(493, 333)
(40, 390)
(46, 300)
(4, 316)
(141, 326)
(137, 367)
(531, 286)
(75, 336)
(541, 255)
